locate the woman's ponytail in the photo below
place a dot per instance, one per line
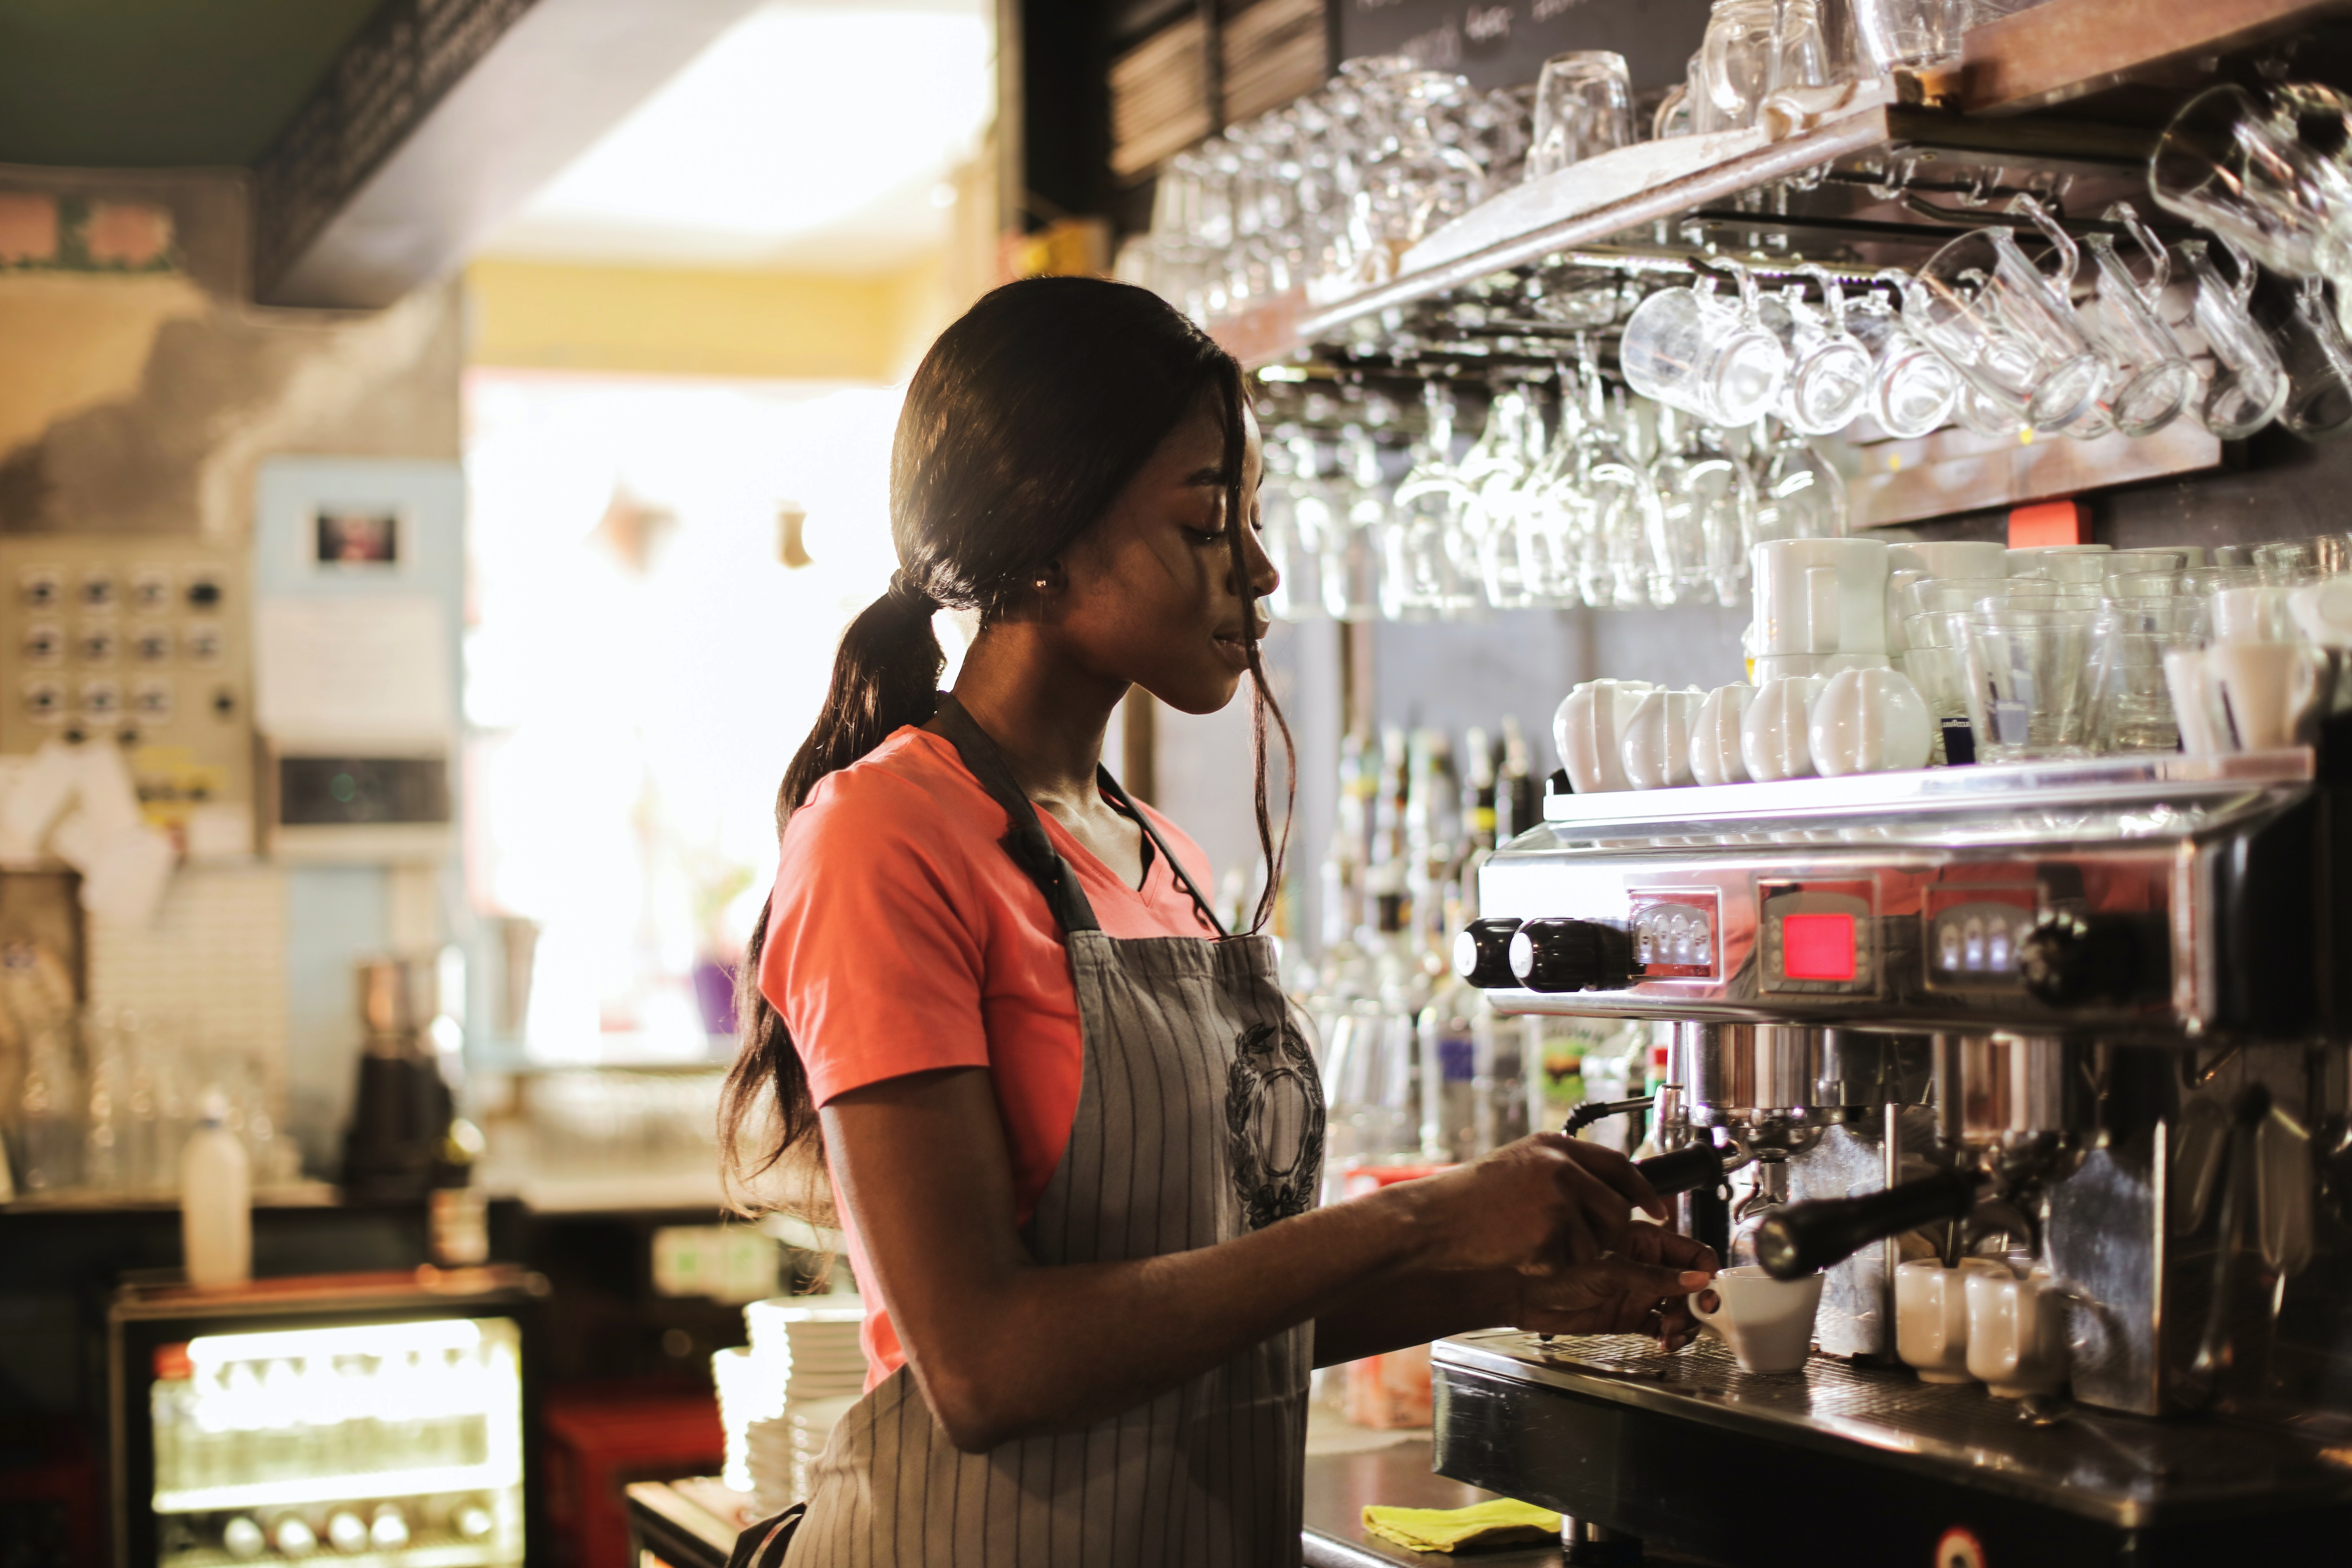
(886, 676)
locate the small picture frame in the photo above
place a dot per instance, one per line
(355, 537)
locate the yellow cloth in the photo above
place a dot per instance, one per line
(1502, 1522)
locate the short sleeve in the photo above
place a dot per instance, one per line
(873, 957)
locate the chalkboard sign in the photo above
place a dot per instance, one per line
(1507, 41)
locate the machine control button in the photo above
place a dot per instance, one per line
(1571, 955)
(2070, 960)
(1481, 953)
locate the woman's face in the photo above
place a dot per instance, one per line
(1151, 595)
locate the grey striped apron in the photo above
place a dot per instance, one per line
(1200, 1119)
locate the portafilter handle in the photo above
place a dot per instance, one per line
(1685, 1169)
(1804, 1239)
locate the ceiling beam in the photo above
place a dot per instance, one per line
(439, 120)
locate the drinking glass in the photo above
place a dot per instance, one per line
(1353, 543)
(2131, 703)
(2145, 586)
(2152, 380)
(2007, 328)
(2030, 673)
(1911, 35)
(1584, 106)
(2318, 364)
(2244, 383)
(1494, 472)
(1914, 389)
(2120, 563)
(1430, 565)
(1831, 380)
(2287, 562)
(1933, 661)
(1706, 518)
(1709, 356)
(2240, 166)
(1799, 493)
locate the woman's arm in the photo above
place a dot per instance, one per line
(1004, 1347)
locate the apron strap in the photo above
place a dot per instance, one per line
(1026, 838)
(1208, 911)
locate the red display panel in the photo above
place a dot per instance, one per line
(1817, 947)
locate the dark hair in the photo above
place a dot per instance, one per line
(1023, 424)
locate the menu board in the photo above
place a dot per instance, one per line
(1504, 42)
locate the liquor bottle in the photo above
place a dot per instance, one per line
(346, 1531)
(458, 1209)
(1519, 794)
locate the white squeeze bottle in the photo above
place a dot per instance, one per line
(215, 1200)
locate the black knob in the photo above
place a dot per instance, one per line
(1481, 953)
(1805, 1237)
(1685, 1169)
(2070, 960)
(1571, 955)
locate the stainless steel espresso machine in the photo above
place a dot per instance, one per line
(2087, 1016)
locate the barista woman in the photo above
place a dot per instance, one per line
(1072, 1133)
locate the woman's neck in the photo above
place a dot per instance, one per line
(1048, 717)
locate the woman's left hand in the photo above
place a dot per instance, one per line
(1616, 1294)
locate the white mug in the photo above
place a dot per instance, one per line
(2017, 1333)
(2268, 693)
(1656, 742)
(1775, 732)
(1948, 558)
(2202, 732)
(1589, 730)
(1869, 722)
(1715, 757)
(1768, 1322)
(2322, 611)
(2251, 615)
(1821, 596)
(1931, 1316)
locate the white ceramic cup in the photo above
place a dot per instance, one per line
(1656, 742)
(1589, 730)
(1715, 755)
(1869, 722)
(1931, 1316)
(2322, 611)
(2251, 615)
(1775, 738)
(2268, 693)
(1768, 1322)
(1948, 558)
(1821, 596)
(2017, 1333)
(2202, 732)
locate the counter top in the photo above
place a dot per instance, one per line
(691, 1523)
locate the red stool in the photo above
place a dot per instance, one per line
(595, 1441)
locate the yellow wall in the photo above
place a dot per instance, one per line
(678, 321)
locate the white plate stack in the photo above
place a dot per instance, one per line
(808, 1346)
(748, 1391)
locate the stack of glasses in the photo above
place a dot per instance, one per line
(807, 1350)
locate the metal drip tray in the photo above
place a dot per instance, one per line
(2122, 1471)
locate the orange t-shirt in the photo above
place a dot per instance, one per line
(904, 938)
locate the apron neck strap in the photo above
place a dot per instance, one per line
(1024, 838)
(1208, 911)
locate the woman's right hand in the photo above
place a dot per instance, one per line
(1544, 1204)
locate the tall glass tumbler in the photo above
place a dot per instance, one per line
(2031, 673)
(1704, 354)
(1584, 106)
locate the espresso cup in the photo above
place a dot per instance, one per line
(1715, 756)
(2322, 611)
(1656, 742)
(2017, 1333)
(1589, 731)
(1821, 596)
(1931, 1316)
(1775, 732)
(1768, 1322)
(1868, 721)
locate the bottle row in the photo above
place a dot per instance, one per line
(346, 1530)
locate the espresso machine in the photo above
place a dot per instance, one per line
(2089, 1017)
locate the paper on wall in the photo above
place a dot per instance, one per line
(352, 671)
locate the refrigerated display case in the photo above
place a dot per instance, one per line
(374, 1419)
